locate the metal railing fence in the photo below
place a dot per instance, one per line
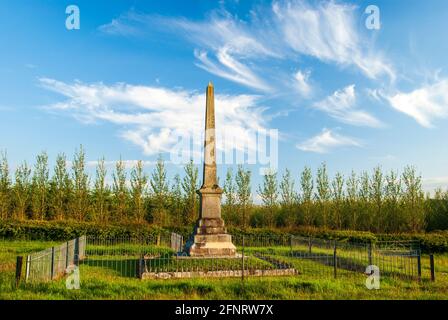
(52, 263)
(160, 256)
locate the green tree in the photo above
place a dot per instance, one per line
(139, 181)
(61, 188)
(22, 190)
(338, 200)
(100, 193)
(352, 184)
(413, 198)
(437, 218)
(377, 199)
(307, 187)
(229, 208)
(243, 193)
(5, 187)
(120, 192)
(40, 187)
(190, 187)
(160, 191)
(323, 193)
(80, 200)
(269, 195)
(287, 191)
(365, 221)
(289, 199)
(177, 202)
(392, 202)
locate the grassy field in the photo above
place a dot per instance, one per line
(104, 281)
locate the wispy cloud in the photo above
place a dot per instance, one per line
(127, 24)
(236, 49)
(326, 141)
(430, 184)
(302, 83)
(341, 105)
(154, 118)
(230, 68)
(425, 104)
(328, 32)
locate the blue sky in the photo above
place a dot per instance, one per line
(133, 78)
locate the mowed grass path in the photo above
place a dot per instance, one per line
(105, 283)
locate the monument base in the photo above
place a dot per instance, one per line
(210, 239)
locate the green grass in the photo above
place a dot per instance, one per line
(107, 278)
(9, 250)
(98, 283)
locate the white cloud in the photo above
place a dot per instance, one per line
(431, 184)
(154, 118)
(326, 141)
(425, 104)
(328, 32)
(302, 83)
(127, 24)
(238, 50)
(341, 105)
(230, 68)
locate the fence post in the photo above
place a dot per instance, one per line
(370, 253)
(19, 263)
(431, 264)
(335, 261)
(242, 262)
(140, 266)
(66, 255)
(310, 244)
(81, 247)
(419, 266)
(27, 268)
(52, 264)
(158, 239)
(76, 252)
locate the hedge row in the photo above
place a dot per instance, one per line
(62, 231)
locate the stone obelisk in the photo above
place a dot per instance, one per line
(210, 237)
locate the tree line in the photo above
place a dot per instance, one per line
(375, 201)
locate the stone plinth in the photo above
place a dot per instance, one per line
(210, 236)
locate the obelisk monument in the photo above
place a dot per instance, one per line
(210, 237)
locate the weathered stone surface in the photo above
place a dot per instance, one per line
(218, 273)
(210, 237)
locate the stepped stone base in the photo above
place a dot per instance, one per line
(210, 238)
